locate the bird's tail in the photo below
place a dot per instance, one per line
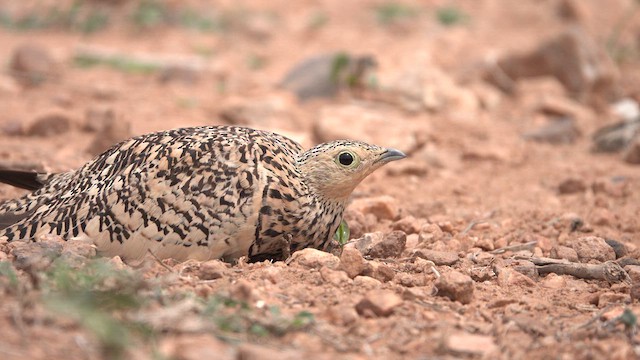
(29, 180)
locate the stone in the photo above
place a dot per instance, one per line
(509, 277)
(408, 225)
(352, 262)
(392, 245)
(618, 248)
(557, 131)
(32, 64)
(366, 282)
(572, 57)
(378, 303)
(49, 123)
(602, 217)
(554, 281)
(631, 154)
(634, 272)
(591, 248)
(572, 186)
(617, 137)
(430, 233)
(471, 344)
(438, 257)
(456, 286)
(36, 256)
(379, 271)
(314, 259)
(383, 207)
(334, 277)
(195, 347)
(248, 351)
(564, 252)
(526, 268)
(212, 269)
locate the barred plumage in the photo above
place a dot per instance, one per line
(199, 193)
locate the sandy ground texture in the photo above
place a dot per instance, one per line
(511, 231)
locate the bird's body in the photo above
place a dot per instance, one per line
(198, 193)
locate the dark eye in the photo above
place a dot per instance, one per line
(345, 158)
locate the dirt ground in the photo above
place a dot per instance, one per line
(502, 235)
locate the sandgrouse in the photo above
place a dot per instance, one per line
(216, 192)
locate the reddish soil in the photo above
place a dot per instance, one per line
(472, 184)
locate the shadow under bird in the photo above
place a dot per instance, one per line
(214, 192)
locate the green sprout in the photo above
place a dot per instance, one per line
(342, 234)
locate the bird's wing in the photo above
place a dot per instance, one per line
(29, 180)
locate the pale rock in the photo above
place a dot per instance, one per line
(378, 303)
(456, 286)
(595, 248)
(334, 277)
(554, 281)
(352, 262)
(471, 344)
(438, 257)
(314, 259)
(564, 252)
(366, 282)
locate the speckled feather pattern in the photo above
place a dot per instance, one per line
(191, 193)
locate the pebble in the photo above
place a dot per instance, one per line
(456, 286)
(334, 277)
(342, 315)
(471, 344)
(438, 257)
(378, 303)
(564, 252)
(408, 225)
(593, 248)
(314, 259)
(618, 248)
(379, 271)
(32, 64)
(52, 122)
(509, 277)
(608, 298)
(366, 282)
(352, 262)
(554, 281)
(572, 186)
(391, 246)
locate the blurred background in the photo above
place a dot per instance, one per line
(521, 116)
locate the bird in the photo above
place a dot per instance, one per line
(202, 193)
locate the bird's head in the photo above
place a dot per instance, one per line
(335, 168)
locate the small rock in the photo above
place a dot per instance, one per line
(456, 286)
(195, 347)
(378, 271)
(430, 233)
(323, 76)
(392, 245)
(485, 244)
(471, 344)
(572, 186)
(603, 217)
(211, 270)
(366, 282)
(383, 207)
(617, 247)
(526, 268)
(50, 123)
(333, 276)
(634, 272)
(554, 281)
(564, 252)
(593, 248)
(509, 277)
(32, 64)
(557, 131)
(79, 248)
(378, 303)
(410, 280)
(36, 256)
(408, 224)
(616, 137)
(631, 154)
(314, 259)
(438, 257)
(352, 262)
(482, 273)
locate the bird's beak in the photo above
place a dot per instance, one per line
(391, 155)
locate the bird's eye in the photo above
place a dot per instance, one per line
(345, 158)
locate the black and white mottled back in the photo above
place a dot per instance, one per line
(199, 193)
